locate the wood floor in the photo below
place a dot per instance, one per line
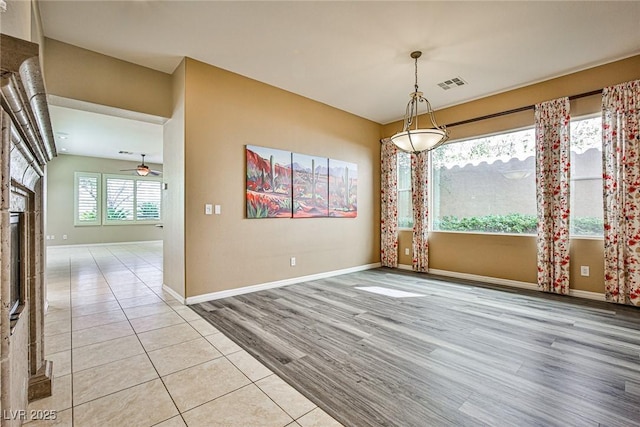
(460, 355)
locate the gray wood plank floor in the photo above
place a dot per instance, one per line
(462, 354)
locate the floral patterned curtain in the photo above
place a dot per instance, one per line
(552, 194)
(389, 204)
(621, 185)
(420, 202)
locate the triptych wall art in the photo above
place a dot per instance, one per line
(281, 184)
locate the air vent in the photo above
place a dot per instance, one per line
(125, 152)
(452, 83)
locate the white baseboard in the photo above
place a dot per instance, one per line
(173, 293)
(270, 285)
(506, 282)
(83, 245)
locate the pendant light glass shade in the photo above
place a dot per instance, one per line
(412, 138)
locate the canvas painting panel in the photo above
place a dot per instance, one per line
(343, 189)
(310, 186)
(268, 182)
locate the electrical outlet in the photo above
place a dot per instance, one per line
(406, 251)
(64, 237)
(293, 261)
(584, 270)
(53, 237)
(216, 209)
(48, 237)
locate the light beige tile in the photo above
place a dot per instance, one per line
(129, 293)
(172, 422)
(318, 418)
(61, 363)
(143, 324)
(62, 419)
(139, 300)
(204, 327)
(115, 376)
(98, 319)
(57, 343)
(55, 315)
(249, 365)
(223, 344)
(92, 299)
(147, 310)
(99, 307)
(186, 313)
(181, 356)
(197, 385)
(57, 327)
(143, 405)
(99, 290)
(101, 333)
(245, 407)
(105, 352)
(60, 398)
(171, 335)
(293, 424)
(287, 397)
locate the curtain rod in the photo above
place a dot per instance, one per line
(518, 110)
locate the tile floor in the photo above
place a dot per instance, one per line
(126, 353)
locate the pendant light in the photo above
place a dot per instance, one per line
(412, 138)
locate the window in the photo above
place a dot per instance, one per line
(116, 199)
(586, 177)
(485, 184)
(87, 198)
(132, 200)
(405, 208)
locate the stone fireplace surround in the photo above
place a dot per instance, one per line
(27, 144)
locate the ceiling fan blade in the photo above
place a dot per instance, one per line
(127, 170)
(155, 173)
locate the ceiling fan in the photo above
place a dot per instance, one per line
(143, 170)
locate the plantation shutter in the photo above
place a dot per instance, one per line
(120, 199)
(148, 200)
(87, 199)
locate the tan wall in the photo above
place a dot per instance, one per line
(224, 112)
(514, 257)
(173, 196)
(60, 204)
(80, 74)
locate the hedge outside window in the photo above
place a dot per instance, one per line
(586, 177)
(485, 184)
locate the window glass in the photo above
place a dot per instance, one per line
(148, 200)
(586, 177)
(485, 184)
(120, 199)
(405, 209)
(87, 199)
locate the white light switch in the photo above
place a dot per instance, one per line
(584, 270)
(208, 209)
(216, 209)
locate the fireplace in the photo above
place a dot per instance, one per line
(16, 292)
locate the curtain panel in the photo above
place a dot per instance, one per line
(389, 205)
(621, 192)
(552, 194)
(420, 202)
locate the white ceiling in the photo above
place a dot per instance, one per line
(354, 55)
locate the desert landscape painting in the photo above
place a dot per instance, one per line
(310, 186)
(268, 183)
(343, 189)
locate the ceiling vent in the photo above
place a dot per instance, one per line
(125, 152)
(452, 83)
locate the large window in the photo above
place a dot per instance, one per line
(586, 177)
(116, 199)
(405, 209)
(87, 198)
(485, 184)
